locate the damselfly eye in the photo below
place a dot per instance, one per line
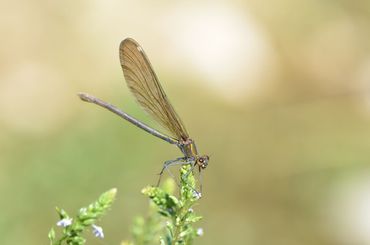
(203, 161)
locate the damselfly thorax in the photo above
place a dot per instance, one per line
(189, 149)
(144, 84)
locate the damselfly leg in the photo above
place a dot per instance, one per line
(179, 161)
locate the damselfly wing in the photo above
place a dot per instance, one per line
(144, 84)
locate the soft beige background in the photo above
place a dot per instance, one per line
(277, 92)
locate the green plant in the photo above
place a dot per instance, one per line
(177, 213)
(170, 219)
(73, 228)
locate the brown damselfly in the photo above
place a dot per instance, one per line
(144, 84)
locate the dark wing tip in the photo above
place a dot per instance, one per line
(128, 44)
(128, 41)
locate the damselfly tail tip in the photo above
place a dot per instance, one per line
(84, 96)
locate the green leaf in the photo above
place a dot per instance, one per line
(51, 235)
(193, 219)
(169, 186)
(108, 197)
(167, 204)
(62, 213)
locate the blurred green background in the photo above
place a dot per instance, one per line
(277, 92)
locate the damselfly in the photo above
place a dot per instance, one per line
(144, 84)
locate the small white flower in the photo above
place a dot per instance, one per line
(200, 232)
(64, 222)
(98, 231)
(197, 195)
(190, 210)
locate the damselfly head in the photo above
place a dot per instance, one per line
(203, 161)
